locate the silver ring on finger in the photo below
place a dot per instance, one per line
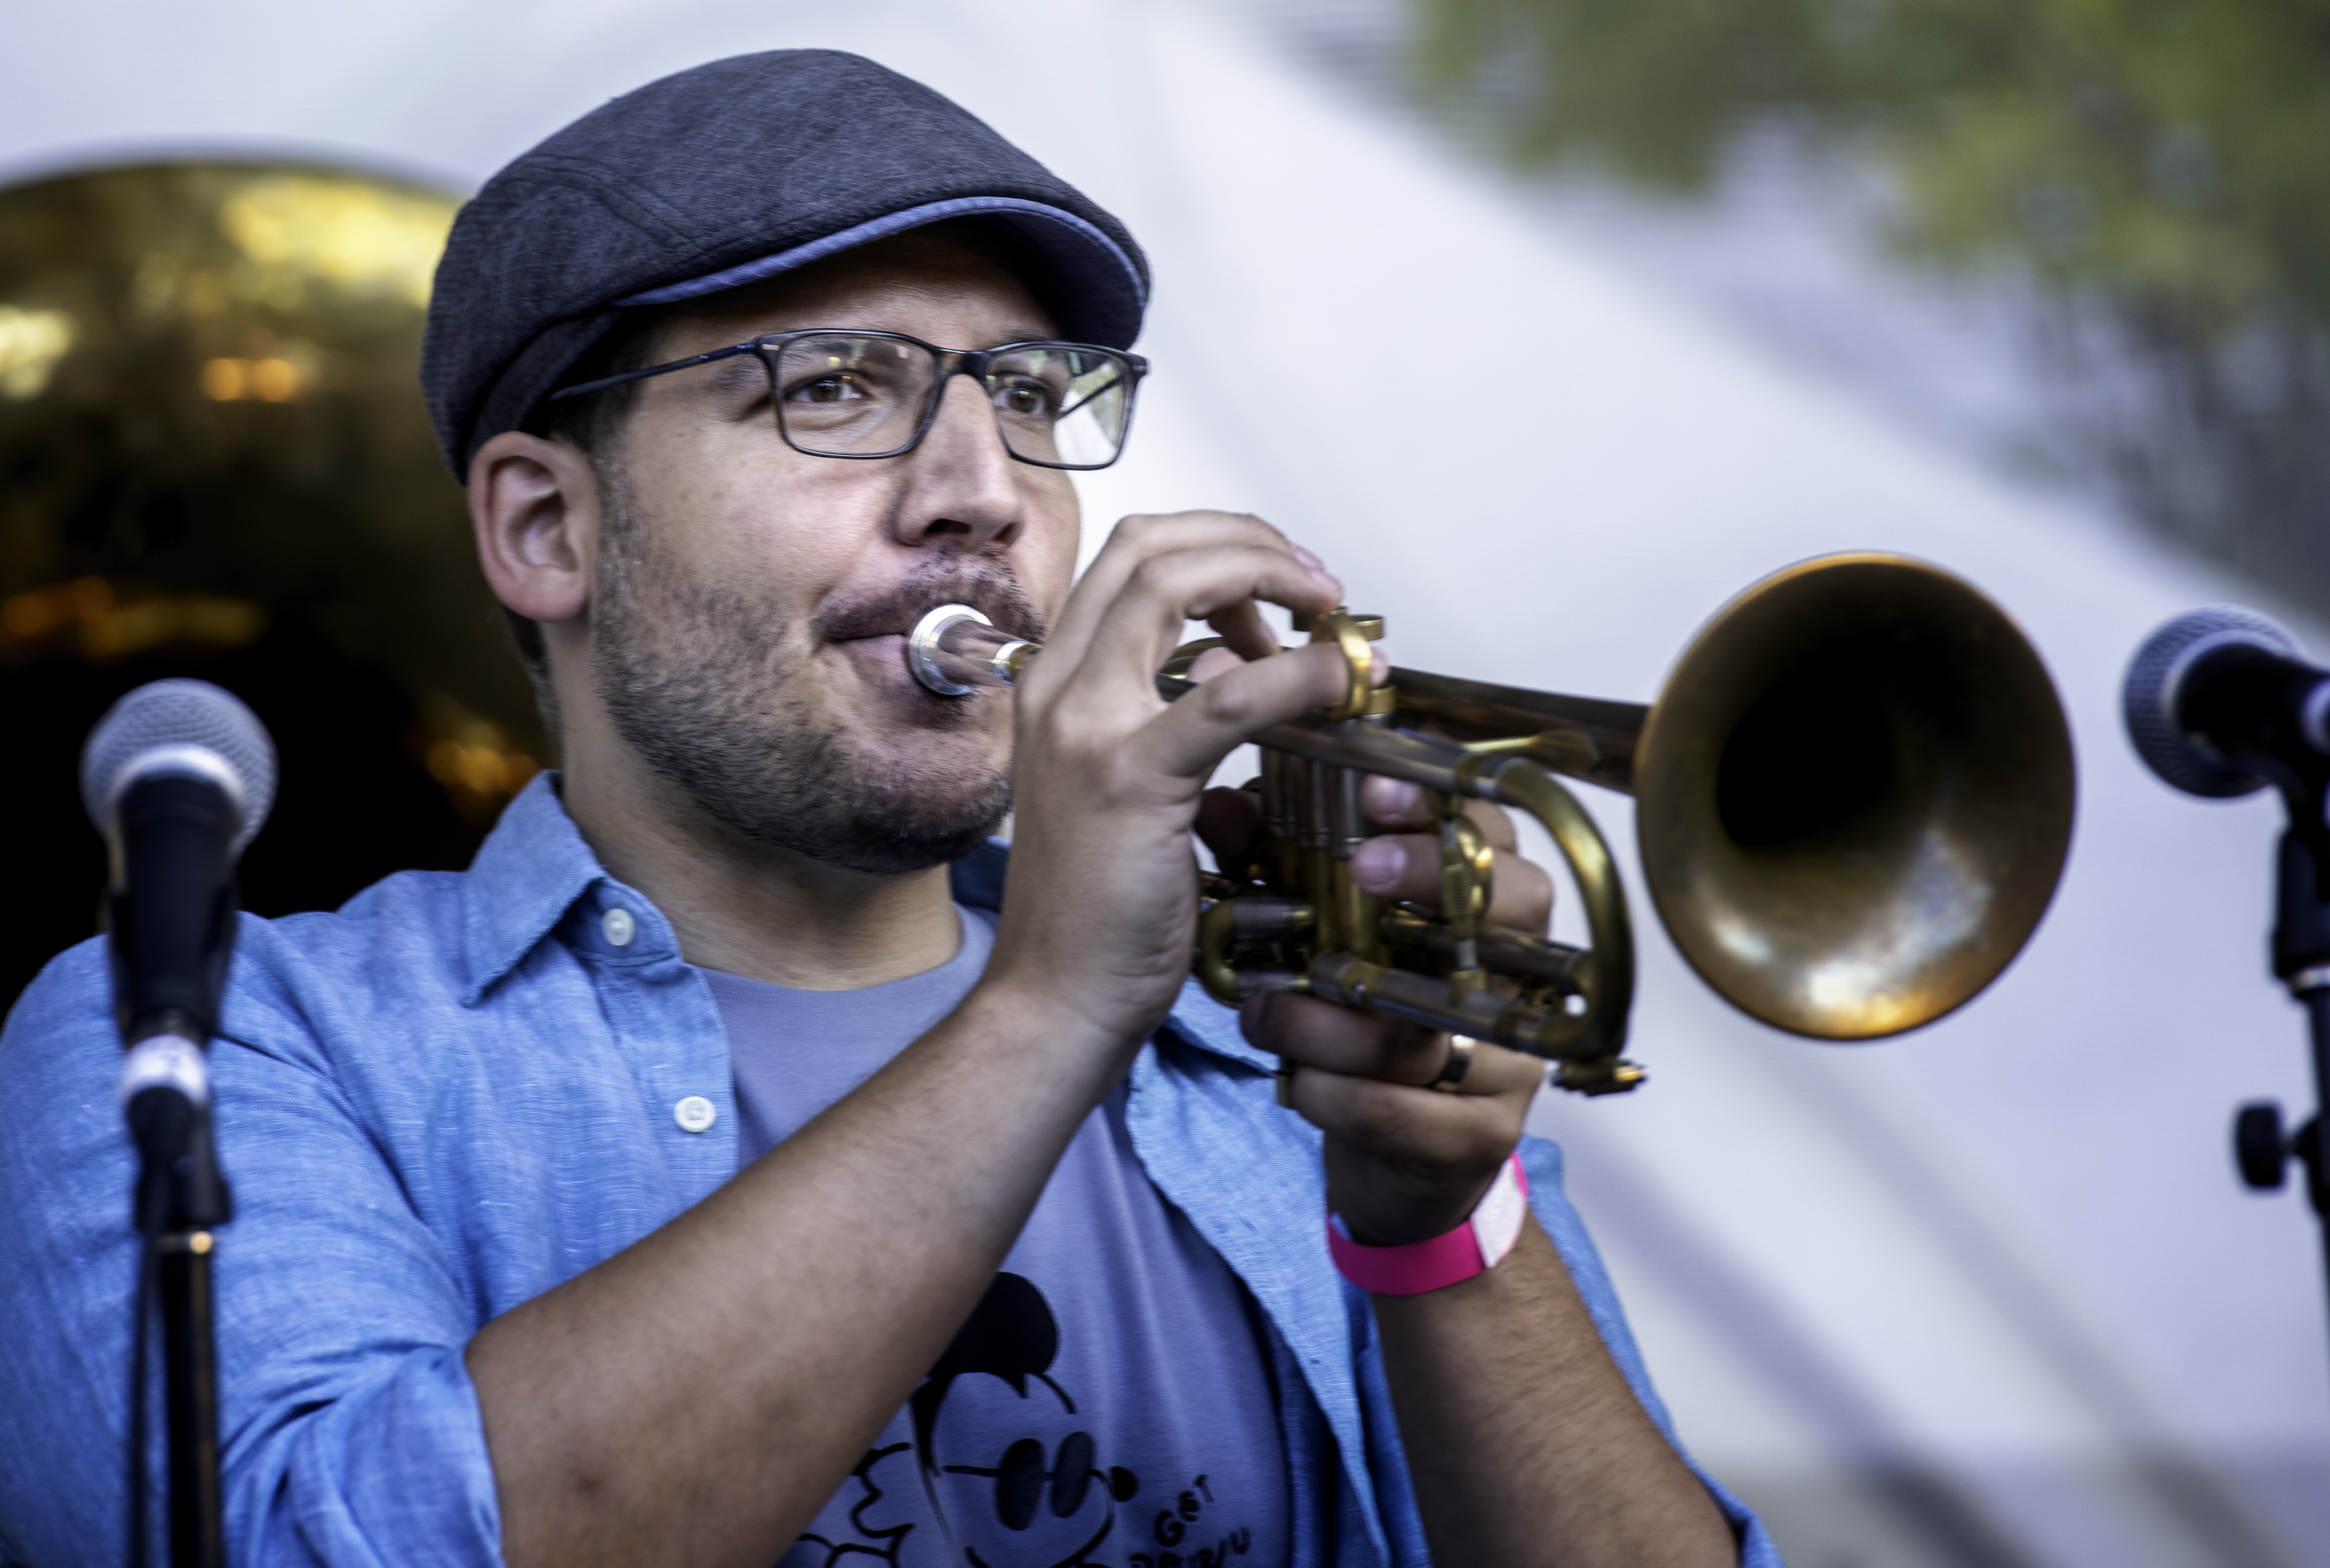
(1459, 1062)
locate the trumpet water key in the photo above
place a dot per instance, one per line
(1854, 796)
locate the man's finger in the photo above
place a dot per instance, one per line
(1132, 541)
(1405, 866)
(1414, 1126)
(1190, 738)
(1137, 539)
(1396, 803)
(1319, 1033)
(1163, 591)
(1312, 1032)
(1242, 627)
(1213, 662)
(1496, 824)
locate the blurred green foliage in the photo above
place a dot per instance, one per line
(2160, 167)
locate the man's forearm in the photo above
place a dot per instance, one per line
(698, 1397)
(1526, 1445)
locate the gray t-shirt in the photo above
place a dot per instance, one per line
(1109, 1403)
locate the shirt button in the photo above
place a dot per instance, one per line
(619, 928)
(694, 1114)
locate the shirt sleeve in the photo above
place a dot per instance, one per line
(1564, 1227)
(349, 1429)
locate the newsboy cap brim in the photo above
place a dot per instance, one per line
(723, 175)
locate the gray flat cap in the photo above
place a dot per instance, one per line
(721, 175)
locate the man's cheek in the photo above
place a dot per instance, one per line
(1048, 562)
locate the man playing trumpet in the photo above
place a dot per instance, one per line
(738, 1163)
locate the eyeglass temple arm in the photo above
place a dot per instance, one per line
(1110, 384)
(607, 381)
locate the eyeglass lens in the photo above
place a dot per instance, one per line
(848, 395)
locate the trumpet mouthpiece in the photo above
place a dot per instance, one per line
(954, 651)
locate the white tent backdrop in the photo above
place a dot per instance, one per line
(1988, 1295)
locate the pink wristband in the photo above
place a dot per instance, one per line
(1480, 1243)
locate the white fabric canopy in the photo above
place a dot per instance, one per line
(1990, 1294)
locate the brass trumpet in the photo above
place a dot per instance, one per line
(1854, 796)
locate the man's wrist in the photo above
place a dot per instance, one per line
(1037, 1015)
(1474, 1247)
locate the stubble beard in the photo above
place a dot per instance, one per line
(707, 684)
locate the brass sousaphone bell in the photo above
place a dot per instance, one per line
(1854, 798)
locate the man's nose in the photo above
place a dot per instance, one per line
(964, 486)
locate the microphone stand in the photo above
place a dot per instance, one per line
(2301, 960)
(181, 1199)
(2220, 703)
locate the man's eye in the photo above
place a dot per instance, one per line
(1027, 400)
(827, 389)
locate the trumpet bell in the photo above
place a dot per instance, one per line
(1855, 795)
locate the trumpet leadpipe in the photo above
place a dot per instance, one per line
(954, 651)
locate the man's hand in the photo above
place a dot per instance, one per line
(1101, 908)
(1526, 1446)
(1404, 1163)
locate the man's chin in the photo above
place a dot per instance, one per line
(894, 836)
(841, 760)
(901, 800)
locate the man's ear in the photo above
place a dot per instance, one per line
(535, 506)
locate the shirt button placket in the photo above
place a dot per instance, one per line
(644, 983)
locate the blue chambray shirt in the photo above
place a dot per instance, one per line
(457, 1092)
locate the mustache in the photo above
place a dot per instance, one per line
(992, 589)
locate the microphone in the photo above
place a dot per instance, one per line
(2221, 702)
(178, 776)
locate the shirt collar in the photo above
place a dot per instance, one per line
(533, 865)
(528, 874)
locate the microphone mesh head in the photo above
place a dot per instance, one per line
(178, 713)
(2148, 699)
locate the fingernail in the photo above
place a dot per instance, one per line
(1376, 865)
(1388, 797)
(1250, 1013)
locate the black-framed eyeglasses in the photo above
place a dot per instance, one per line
(844, 393)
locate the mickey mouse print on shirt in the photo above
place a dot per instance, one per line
(998, 1468)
